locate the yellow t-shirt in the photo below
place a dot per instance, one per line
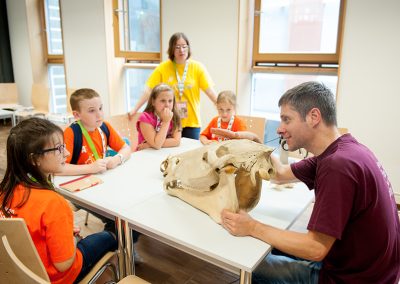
(197, 79)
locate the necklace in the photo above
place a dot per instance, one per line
(228, 128)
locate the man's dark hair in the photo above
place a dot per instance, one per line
(309, 95)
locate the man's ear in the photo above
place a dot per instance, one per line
(314, 117)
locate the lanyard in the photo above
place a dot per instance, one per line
(181, 83)
(32, 178)
(90, 141)
(228, 128)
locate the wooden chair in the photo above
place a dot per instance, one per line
(40, 99)
(125, 127)
(343, 130)
(255, 125)
(20, 261)
(40, 103)
(13, 270)
(69, 93)
(8, 94)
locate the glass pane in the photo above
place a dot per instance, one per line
(299, 26)
(139, 23)
(53, 27)
(268, 88)
(58, 91)
(135, 80)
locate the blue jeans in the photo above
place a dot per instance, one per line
(191, 132)
(279, 267)
(93, 248)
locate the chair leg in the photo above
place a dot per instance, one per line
(109, 266)
(86, 218)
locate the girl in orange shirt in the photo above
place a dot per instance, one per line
(226, 119)
(35, 151)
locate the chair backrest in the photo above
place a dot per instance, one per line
(69, 93)
(8, 93)
(343, 130)
(256, 125)
(125, 127)
(40, 98)
(20, 261)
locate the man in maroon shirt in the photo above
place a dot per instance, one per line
(354, 232)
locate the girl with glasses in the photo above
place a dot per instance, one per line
(35, 152)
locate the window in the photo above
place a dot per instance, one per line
(137, 30)
(137, 38)
(294, 42)
(53, 30)
(55, 57)
(58, 101)
(135, 79)
(303, 31)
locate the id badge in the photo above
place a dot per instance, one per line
(182, 109)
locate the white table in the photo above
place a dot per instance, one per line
(134, 196)
(7, 114)
(137, 180)
(174, 222)
(12, 107)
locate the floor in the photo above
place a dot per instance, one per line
(160, 263)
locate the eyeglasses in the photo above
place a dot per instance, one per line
(60, 150)
(179, 47)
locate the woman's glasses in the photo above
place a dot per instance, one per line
(60, 150)
(179, 47)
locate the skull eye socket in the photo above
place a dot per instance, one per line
(163, 167)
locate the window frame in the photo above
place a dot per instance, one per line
(134, 66)
(154, 57)
(53, 60)
(50, 58)
(296, 60)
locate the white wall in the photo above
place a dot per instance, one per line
(368, 92)
(20, 49)
(85, 49)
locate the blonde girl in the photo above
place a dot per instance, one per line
(226, 119)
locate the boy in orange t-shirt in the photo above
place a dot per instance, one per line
(94, 137)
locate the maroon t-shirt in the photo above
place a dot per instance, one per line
(354, 203)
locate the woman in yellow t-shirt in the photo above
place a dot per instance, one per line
(186, 77)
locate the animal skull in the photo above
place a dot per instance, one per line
(224, 175)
